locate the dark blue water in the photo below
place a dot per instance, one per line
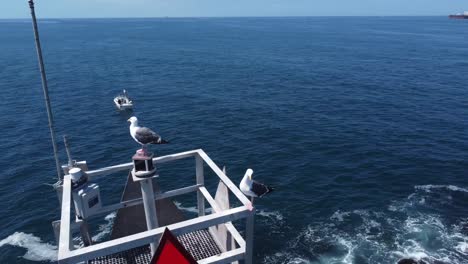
(360, 123)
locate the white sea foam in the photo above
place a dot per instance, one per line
(460, 239)
(273, 215)
(419, 236)
(36, 249)
(285, 258)
(350, 246)
(298, 260)
(106, 228)
(462, 247)
(430, 187)
(415, 253)
(410, 228)
(393, 208)
(191, 209)
(424, 197)
(339, 216)
(103, 231)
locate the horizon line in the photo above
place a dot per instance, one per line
(169, 17)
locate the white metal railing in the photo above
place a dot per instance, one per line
(67, 254)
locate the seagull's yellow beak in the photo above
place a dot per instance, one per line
(249, 172)
(128, 120)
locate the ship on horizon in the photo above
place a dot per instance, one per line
(463, 15)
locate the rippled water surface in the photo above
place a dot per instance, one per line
(359, 123)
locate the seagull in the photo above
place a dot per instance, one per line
(253, 188)
(144, 135)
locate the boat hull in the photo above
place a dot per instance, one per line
(458, 17)
(123, 106)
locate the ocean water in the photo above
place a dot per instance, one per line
(359, 122)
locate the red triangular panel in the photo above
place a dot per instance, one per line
(171, 251)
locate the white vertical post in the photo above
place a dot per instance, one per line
(200, 180)
(147, 195)
(225, 205)
(249, 231)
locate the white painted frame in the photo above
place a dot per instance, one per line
(67, 254)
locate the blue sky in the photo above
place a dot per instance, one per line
(209, 8)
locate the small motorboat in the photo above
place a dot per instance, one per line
(123, 102)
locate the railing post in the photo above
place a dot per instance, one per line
(147, 194)
(249, 231)
(200, 180)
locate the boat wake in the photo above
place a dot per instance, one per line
(416, 228)
(105, 229)
(36, 249)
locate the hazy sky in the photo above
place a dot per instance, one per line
(208, 8)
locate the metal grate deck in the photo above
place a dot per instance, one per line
(200, 244)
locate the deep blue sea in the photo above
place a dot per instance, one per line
(359, 122)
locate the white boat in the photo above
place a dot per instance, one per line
(123, 102)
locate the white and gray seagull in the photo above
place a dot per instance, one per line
(253, 188)
(144, 135)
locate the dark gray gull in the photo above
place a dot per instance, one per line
(144, 135)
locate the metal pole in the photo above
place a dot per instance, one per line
(249, 230)
(200, 180)
(67, 148)
(45, 89)
(147, 194)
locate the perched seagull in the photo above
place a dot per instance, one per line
(144, 135)
(253, 188)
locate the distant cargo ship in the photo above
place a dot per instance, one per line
(460, 16)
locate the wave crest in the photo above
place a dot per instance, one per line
(36, 250)
(431, 187)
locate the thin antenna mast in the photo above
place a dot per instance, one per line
(45, 88)
(71, 163)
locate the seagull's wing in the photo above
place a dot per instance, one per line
(145, 135)
(246, 189)
(260, 189)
